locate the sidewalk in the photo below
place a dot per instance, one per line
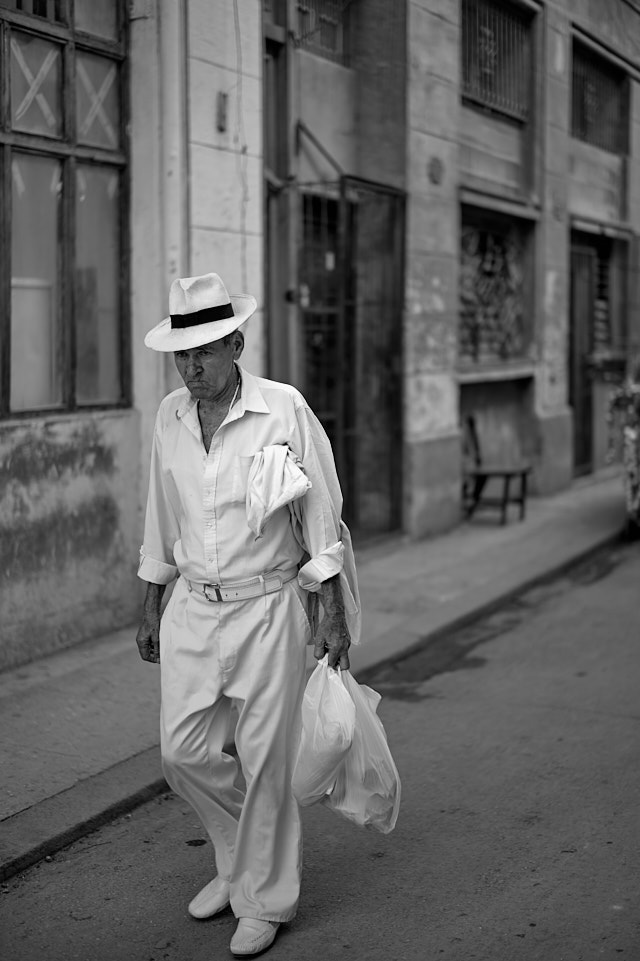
(80, 728)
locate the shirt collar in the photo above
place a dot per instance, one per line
(186, 404)
(251, 397)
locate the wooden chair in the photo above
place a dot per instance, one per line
(477, 473)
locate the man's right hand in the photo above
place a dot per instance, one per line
(148, 639)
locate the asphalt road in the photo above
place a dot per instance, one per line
(518, 743)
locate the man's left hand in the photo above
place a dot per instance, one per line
(333, 638)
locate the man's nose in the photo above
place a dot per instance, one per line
(193, 367)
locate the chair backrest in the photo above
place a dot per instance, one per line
(470, 443)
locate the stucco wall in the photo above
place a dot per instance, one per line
(578, 181)
(68, 530)
(71, 486)
(325, 102)
(432, 263)
(224, 88)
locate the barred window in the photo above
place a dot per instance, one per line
(323, 28)
(63, 166)
(497, 56)
(599, 101)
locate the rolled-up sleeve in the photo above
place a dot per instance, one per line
(161, 530)
(326, 537)
(321, 506)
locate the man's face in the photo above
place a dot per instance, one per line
(207, 370)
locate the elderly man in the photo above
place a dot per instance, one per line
(236, 625)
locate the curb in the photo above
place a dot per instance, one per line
(479, 608)
(54, 823)
(47, 827)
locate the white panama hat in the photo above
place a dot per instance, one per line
(200, 311)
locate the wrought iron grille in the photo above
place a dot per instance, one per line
(323, 28)
(599, 101)
(50, 9)
(496, 56)
(492, 303)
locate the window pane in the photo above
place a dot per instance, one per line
(97, 290)
(99, 17)
(39, 8)
(35, 373)
(599, 111)
(97, 101)
(35, 85)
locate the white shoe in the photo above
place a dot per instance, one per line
(253, 936)
(214, 897)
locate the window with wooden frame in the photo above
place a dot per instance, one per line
(63, 202)
(497, 56)
(323, 28)
(599, 101)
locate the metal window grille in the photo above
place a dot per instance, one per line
(494, 325)
(323, 28)
(599, 101)
(496, 56)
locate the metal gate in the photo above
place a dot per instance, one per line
(351, 296)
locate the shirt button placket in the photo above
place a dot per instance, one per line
(210, 545)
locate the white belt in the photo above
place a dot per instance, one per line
(243, 590)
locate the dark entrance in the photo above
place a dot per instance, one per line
(583, 290)
(350, 298)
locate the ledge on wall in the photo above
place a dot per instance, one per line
(524, 207)
(497, 372)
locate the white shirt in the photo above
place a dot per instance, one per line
(196, 519)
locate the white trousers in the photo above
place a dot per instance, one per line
(251, 653)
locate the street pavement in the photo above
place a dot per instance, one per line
(80, 728)
(518, 830)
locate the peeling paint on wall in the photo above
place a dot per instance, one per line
(45, 457)
(46, 543)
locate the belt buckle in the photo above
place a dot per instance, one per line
(216, 588)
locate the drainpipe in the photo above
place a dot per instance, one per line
(174, 134)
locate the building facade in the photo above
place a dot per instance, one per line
(436, 203)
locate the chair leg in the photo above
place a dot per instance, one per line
(478, 487)
(523, 495)
(505, 499)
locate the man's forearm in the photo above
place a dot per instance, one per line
(153, 599)
(332, 599)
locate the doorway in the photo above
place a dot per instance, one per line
(350, 304)
(581, 323)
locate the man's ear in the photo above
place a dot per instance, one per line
(237, 342)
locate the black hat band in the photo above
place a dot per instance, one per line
(205, 316)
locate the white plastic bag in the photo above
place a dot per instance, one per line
(367, 786)
(328, 720)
